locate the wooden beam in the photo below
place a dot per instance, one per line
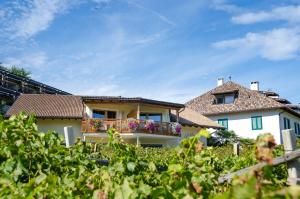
(177, 115)
(277, 161)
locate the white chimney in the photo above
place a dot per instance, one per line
(220, 81)
(254, 86)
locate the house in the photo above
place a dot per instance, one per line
(11, 86)
(142, 121)
(247, 111)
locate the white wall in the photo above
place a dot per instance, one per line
(241, 124)
(58, 125)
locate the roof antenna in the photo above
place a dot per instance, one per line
(230, 78)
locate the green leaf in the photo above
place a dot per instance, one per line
(40, 178)
(131, 166)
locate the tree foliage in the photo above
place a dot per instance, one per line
(17, 71)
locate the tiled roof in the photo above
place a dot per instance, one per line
(131, 100)
(70, 106)
(48, 106)
(247, 100)
(188, 117)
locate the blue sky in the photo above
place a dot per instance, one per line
(169, 50)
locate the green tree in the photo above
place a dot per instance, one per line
(16, 70)
(19, 71)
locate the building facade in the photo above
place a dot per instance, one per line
(247, 112)
(138, 120)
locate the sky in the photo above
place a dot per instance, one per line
(170, 50)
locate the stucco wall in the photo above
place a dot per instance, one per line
(241, 124)
(58, 125)
(124, 109)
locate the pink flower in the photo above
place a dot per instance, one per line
(150, 125)
(133, 124)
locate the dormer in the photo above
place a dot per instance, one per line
(225, 97)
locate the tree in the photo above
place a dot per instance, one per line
(16, 70)
(19, 71)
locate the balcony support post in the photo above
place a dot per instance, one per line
(138, 112)
(177, 115)
(138, 142)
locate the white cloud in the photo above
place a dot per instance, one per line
(286, 13)
(224, 6)
(153, 12)
(27, 18)
(277, 44)
(30, 60)
(107, 89)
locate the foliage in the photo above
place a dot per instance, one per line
(37, 165)
(17, 71)
(223, 137)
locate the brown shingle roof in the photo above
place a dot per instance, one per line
(48, 106)
(247, 100)
(61, 106)
(119, 99)
(188, 117)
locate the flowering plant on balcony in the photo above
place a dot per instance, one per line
(96, 124)
(176, 128)
(150, 126)
(133, 124)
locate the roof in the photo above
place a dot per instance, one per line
(247, 100)
(118, 99)
(70, 106)
(188, 117)
(48, 106)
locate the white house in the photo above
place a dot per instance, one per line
(92, 116)
(247, 112)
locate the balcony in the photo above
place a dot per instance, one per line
(123, 127)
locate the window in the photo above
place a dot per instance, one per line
(98, 114)
(111, 115)
(257, 123)
(297, 128)
(286, 123)
(229, 99)
(104, 114)
(223, 122)
(220, 100)
(225, 99)
(156, 117)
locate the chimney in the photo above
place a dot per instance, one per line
(220, 81)
(254, 86)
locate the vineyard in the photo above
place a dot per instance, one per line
(38, 165)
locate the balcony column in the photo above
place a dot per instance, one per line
(138, 143)
(138, 112)
(177, 115)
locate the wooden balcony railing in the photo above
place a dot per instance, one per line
(122, 126)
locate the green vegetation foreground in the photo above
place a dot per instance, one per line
(37, 165)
